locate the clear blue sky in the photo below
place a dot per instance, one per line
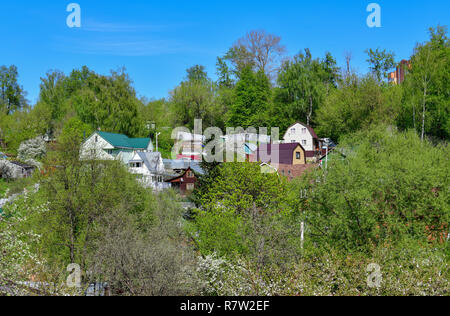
(157, 40)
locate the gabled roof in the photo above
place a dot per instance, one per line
(183, 165)
(286, 152)
(125, 156)
(22, 165)
(180, 177)
(150, 160)
(123, 141)
(311, 130)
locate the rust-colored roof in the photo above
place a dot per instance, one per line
(180, 178)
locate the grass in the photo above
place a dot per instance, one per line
(3, 187)
(16, 186)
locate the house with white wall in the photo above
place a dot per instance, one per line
(111, 146)
(305, 136)
(149, 169)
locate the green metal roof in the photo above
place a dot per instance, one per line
(123, 141)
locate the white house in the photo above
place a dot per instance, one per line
(304, 135)
(150, 170)
(108, 146)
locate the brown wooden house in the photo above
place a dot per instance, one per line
(186, 182)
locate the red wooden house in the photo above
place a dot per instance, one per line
(186, 182)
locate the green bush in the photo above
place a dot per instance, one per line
(390, 187)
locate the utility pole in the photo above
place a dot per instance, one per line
(157, 134)
(302, 232)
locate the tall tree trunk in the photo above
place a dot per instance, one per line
(423, 114)
(310, 111)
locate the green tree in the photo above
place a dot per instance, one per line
(197, 73)
(244, 211)
(427, 105)
(12, 95)
(224, 75)
(390, 188)
(356, 105)
(251, 100)
(381, 61)
(80, 192)
(303, 84)
(53, 98)
(193, 100)
(106, 102)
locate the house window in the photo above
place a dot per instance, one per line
(109, 151)
(190, 174)
(304, 142)
(96, 139)
(190, 186)
(299, 156)
(304, 130)
(293, 131)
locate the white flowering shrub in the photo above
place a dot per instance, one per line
(17, 261)
(6, 170)
(240, 278)
(32, 149)
(403, 273)
(22, 269)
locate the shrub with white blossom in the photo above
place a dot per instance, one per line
(406, 272)
(17, 260)
(32, 149)
(6, 170)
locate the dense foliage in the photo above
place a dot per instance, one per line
(381, 201)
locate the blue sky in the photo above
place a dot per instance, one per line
(158, 40)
